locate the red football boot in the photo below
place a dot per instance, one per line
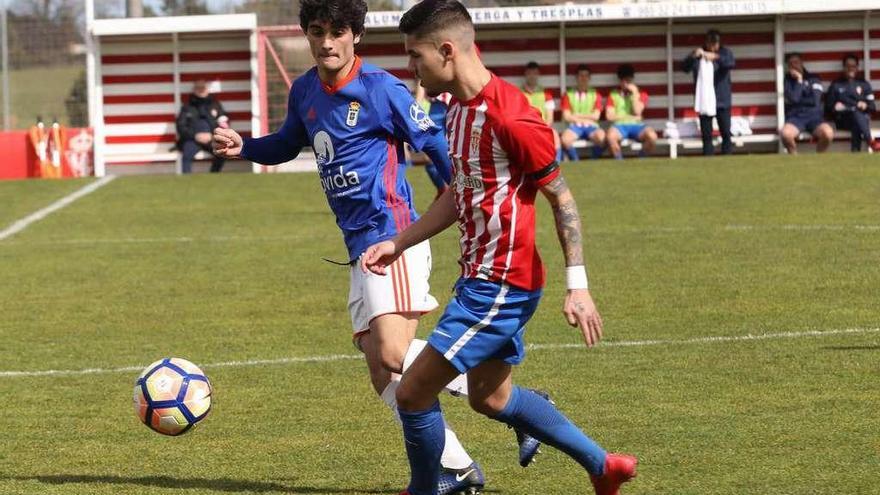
(619, 469)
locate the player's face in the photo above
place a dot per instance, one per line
(532, 76)
(583, 80)
(713, 47)
(625, 82)
(851, 68)
(429, 65)
(332, 48)
(796, 64)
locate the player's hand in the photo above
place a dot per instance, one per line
(632, 88)
(226, 143)
(580, 311)
(698, 53)
(839, 106)
(379, 257)
(796, 75)
(862, 105)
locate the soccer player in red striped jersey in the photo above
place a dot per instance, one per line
(503, 155)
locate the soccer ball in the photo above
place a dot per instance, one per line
(171, 396)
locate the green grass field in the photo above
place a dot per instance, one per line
(227, 268)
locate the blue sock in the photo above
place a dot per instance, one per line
(531, 413)
(618, 156)
(425, 439)
(598, 151)
(572, 154)
(559, 155)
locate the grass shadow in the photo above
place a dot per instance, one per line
(220, 484)
(853, 348)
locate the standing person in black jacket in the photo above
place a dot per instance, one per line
(195, 126)
(723, 62)
(803, 106)
(851, 100)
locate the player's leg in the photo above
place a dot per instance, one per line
(862, 127)
(598, 137)
(788, 135)
(569, 136)
(188, 150)
(614, 137)
(422, 419)
(824, 135)
(723, 118)
(706, 134)
(494, 395)
(648, 138)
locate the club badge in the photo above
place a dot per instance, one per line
(354, 109)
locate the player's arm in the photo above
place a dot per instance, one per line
(278, 147)
(408, 122)
(725, 59)
(868, 93)
(637, 101)
(579, 308)
(438, 218)
(530, 145)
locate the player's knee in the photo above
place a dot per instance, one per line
(392, 360)
(487, 406)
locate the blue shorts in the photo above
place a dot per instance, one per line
(630, 131)
(583, 131)
(805, 122)
(483, 321)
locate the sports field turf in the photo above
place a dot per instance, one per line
(228, 268)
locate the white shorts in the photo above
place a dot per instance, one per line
(403, 289)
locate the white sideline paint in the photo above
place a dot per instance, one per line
(532, 347)
(57, 205)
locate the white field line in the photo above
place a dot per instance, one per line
(531, 347)
(57, 205)
(293, 237)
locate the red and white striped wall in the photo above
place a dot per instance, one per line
(142, 80)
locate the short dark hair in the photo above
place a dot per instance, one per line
(626, 71)
(532, 65)
(430, 16)
(339, 13)
(850, 56)
(713, 36)
(583, 67)
(791, 55)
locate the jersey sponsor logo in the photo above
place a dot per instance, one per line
(323, 146)
(338, 179)
(468, 182)
(354, 109)
(418, 115)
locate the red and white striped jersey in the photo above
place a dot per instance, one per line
(502, 152)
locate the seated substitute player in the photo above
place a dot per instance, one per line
(541, 98)
(356, 117)
(851, 100)
(582, 108)
(803, 106)
(502, 156)
(626, 104)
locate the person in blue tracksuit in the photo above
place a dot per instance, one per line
(851, 100)
(803, 106)
(724, 62)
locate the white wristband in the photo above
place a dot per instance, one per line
(576, 277)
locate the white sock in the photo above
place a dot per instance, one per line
(457, 387)
(454, 456)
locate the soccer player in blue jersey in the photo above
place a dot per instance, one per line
(356, 117)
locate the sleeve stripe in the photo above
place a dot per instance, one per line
(544, 172)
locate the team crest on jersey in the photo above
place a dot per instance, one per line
(323, 146)
(859, 90)
(475, 139)
(354, 108)
(418, 115)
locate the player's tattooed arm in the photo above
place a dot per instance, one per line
(568, 221)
